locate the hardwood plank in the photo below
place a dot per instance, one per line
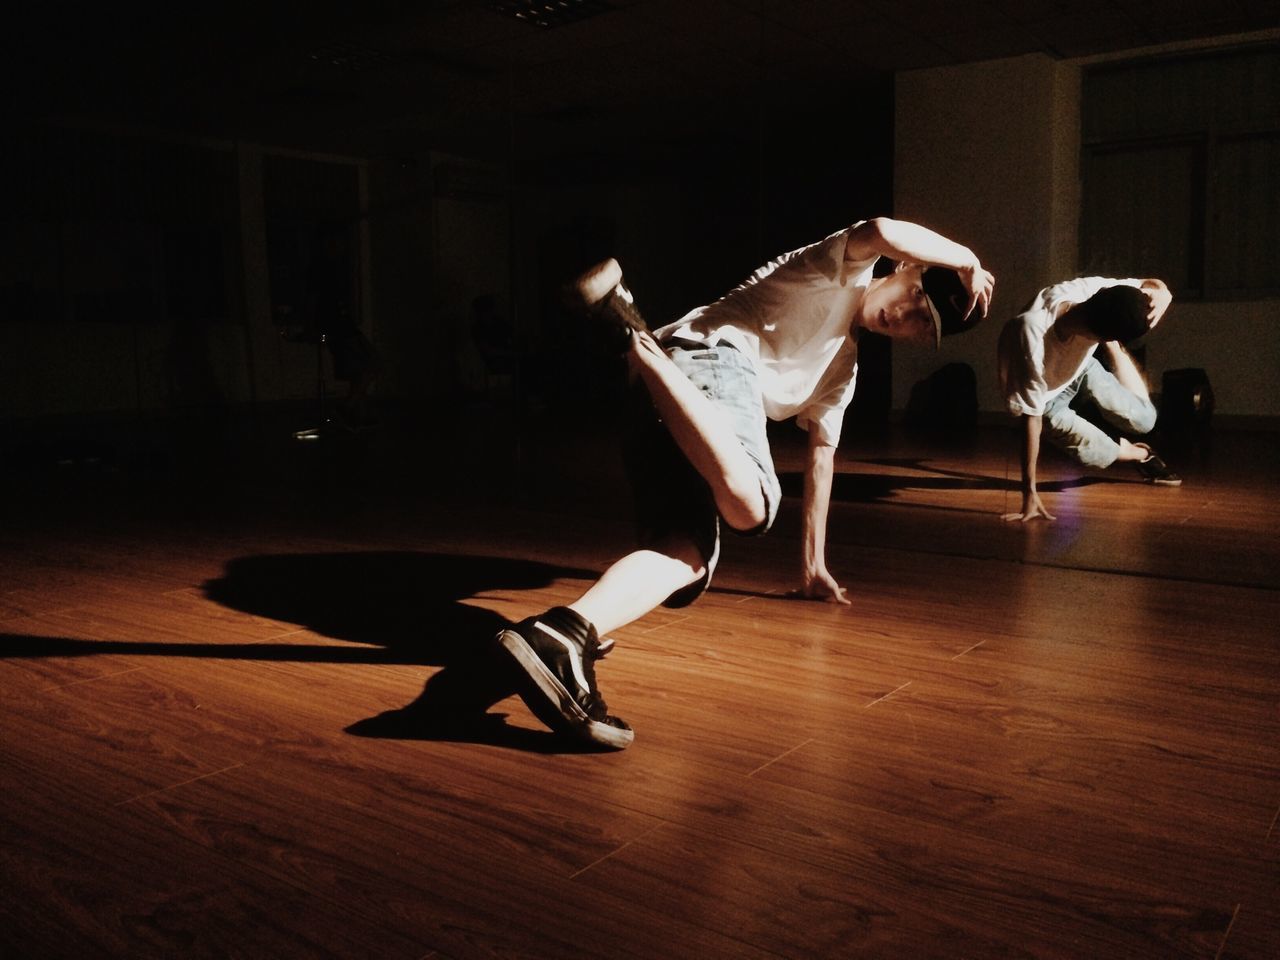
(82, 879)
(259, 725)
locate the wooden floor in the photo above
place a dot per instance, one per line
(244, 713)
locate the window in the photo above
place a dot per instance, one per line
(110, 228)
(1181, 172)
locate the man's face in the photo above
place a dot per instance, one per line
(898, 308)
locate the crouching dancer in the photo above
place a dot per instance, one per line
(1047, 358)
(782, 344)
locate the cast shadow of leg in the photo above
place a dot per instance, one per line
(456, 704)
(411, 605)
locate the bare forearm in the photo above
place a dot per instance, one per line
(1159, 297)
(902, 240)
(1032, 506)
(1126, 370)
(818, 584)
(817, 500)
(1031, 428)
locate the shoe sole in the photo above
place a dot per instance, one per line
(1165, 483)
(598, 282)
(552, 703)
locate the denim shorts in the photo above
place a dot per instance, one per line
(672, 499)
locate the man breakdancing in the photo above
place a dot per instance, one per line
(782, 344)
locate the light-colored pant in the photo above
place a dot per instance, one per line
(728, 378)
(1122, 408)
(671, 497)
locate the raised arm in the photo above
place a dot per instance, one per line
(902, 240)
(817, 582)
(1031, 505)
(1158, 296)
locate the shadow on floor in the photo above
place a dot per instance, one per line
(404, 607)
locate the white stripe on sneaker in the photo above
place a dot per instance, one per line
(575, 658)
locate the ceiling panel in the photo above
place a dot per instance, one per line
(319, 72)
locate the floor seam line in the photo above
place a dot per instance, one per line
(175, 786)
(887, 695)
(781, 756)
(1226, 933)
(104, 676)
(614, 852)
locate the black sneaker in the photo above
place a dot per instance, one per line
(1155, 470)
(600, 293)
(557, 652)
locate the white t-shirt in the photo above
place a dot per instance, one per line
(793, 317)
(1035, 364)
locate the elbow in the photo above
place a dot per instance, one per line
(877, 229)
(822, 464)
(870, 234)
(821, 451)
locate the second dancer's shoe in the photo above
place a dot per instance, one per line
(1154, 470)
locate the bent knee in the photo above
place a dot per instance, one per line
(1143, 419)
(744, 512)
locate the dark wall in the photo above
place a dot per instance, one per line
(690, 219)
(125, 281)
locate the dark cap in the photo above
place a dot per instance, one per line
(948, 298)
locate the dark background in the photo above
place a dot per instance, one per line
(167, 169)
